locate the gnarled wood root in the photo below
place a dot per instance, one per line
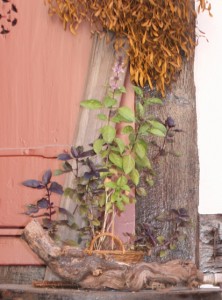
(72, 264)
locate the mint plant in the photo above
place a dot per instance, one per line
(108, 171)
(113, 165)
(149, 239)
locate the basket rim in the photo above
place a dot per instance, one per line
(109, 234)
(123, 253)
(127, 252)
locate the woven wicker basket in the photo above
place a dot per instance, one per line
(121, 255)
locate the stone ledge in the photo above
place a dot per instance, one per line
(27, 292)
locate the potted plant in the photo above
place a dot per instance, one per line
(106, 179)
(107, 174)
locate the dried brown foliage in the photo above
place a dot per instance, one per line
(159, 32)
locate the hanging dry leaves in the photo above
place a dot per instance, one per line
(159, 32)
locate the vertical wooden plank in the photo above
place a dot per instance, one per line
(99, 74)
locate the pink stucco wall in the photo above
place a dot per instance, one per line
(42, 78)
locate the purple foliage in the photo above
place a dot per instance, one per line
(47, 177)
(56, 188)
(32, 183)
(64, 156)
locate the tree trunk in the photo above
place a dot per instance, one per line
(177, 178)
(91, 271)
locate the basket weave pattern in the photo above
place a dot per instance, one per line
(121, 255)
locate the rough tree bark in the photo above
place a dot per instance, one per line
(176, 179)
(73, 264)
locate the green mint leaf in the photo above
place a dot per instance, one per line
(159, 126)
(126, 113)
(141, 192)
(127, 129)
(108, 133)
(120, 144)
(91, 104)
(135, 176)
(97, 145)
(138, 91)
(151, 101)
(128, 164)
(102, 117)
(109, 102)
(116, 160)
(140, 150)
(156, 132)
(122, 180)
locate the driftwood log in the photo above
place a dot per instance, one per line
(93, 272)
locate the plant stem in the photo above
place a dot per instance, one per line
(105, 213)
(48, 195)
(77, 167)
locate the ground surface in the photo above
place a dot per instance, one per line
(27, 292)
